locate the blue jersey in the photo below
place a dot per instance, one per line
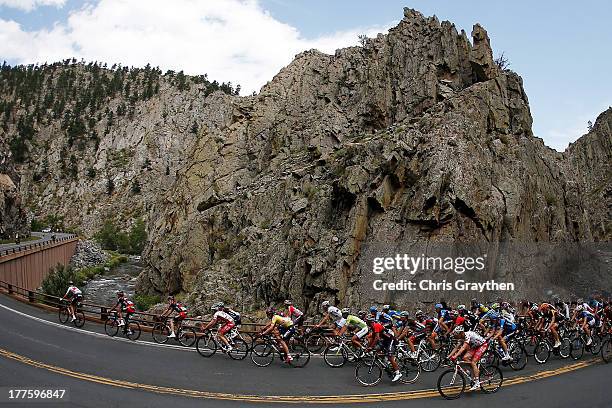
(383, 317)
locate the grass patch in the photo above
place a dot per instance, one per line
(145, 302)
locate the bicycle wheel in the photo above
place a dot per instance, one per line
(577, 348)
(300, 355)
(519, 357)
(491, 379)
(410, 369)
(206, 345)
(429, 359)
(606, 351)
(160, 333)
(335, 355)
(262, 354)
(133, 332)
(111, 327)
(368, 375)
(596, 344)
(451, 384)
(239, 350)
(63, 314)
(565, 347)
(80, 318)
(530, 344)
(187, 336)
(541, 354)
(315, 343)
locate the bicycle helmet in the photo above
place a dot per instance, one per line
(474, 302)
(386, 308)
(579, 308)
(170, 297)
(345, 312)
(438, 306)
(461, 307)
(458, 329)
(71, 283)
(362, 314)
(325, 304)
(505, 305)
(373, 309)
(404, 314)
(495, 306)
(419, 313)
(483, 308)
(534, 308)
(217, 306)
(288, 302)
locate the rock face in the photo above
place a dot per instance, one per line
(415, 137)
(13, 216)
(88, 253)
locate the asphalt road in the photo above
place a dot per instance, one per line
(43, 237)
(101, 372)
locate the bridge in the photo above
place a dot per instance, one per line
(26, 265)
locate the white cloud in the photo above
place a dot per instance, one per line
(29, 5)
(230, 40)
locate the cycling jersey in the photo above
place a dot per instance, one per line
(334, 312)
(294, 311)
(126, 305)
(73, 291)
(383, 318)
(354, 321)
(224, 317)
(474, 339)
(281, 321)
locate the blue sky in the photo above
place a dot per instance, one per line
(562, 49)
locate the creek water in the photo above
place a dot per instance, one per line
(103, 289)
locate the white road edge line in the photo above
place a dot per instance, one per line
(100, 335)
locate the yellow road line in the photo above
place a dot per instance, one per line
(323, 399)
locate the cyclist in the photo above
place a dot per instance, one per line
(75, 296)
(473, 345)
(125, 308)
(295, 314)
(354, 322)
(285, 327)
(382, 317)
(331, 313)
(383, 337)
(585, 320)
(181, 313)
(411, 329)
(552, 317)
(225, 320)
(499, 326)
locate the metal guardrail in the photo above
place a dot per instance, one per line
(34, 245)
(101, 313)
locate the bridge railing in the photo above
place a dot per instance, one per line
(34, 245)
(100, 313)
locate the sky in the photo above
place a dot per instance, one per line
(562, 49)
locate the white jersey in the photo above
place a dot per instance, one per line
(474, 339)
(221, 315)
(73, 291)
(335, 313)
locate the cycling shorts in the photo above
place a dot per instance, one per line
(362, 332)
(476, 353)
(388, 346)
(299, 321)
(76, 299)
(226, 327)
(287, 332)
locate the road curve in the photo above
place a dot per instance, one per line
(93, 365)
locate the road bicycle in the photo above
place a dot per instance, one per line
(495, 354)
(545, 347)
(65, 316)
(265, 348)
(186, 336)
(130, 328)
(317, 339)
(427, 358)
(209, 342)
(370, 368)
(452, 382)
(341, 351)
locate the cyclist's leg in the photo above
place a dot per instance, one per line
(221, 334)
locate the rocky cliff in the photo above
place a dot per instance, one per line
(415, 137)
